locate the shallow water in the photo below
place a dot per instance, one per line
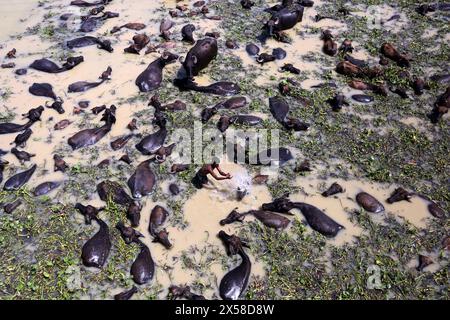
(202, 213)
(14, 17)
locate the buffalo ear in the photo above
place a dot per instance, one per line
(194, 59)
(181, 59)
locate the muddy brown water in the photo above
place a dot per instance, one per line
(207, 206)
(14, 17)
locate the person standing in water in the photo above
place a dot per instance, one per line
(201, 177)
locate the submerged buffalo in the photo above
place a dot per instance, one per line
(187, 33)
(89, 212)
(164, 27)
(280, 155)
(60, 164)
(120, 142)
(2, 168)
(134, 213)
(131, 25)
(43, 90)
(162, 237)
(90, 41)
(111, 190)
(157, 218)
(315, 218)
(153, 142)
(252, 49)
(436, 211)
(432, 7)
(142, 181)
(143, 268)
(369, 203)
(46, 90)
(82, 86)
(6, 127)
(329, 46)
(335, 188)
(176, 292)
(90, 23)
(46, 187)
(22, 155)
(337, 102)
(280, 109)
(232, 103)
(391, 52)
(281, 205)
(127, 294)
(34, 114)
(221, 88)
(96, 250)
(82, 3)
(318, 220)
(19, 179)
(269, 219)
(128, 234)
(11, 207)
(282, 20)
(22, 138)
(241, 119)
